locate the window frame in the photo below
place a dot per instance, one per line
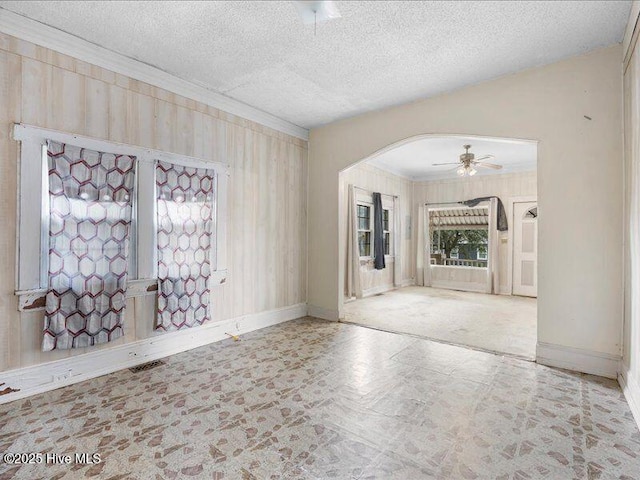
(366, 200)
(388, 231)
(369, 205)
(32, 234)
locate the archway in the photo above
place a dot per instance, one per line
(415, 187)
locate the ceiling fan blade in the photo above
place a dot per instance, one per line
(488, 165)
(486, 157)
(440, 164)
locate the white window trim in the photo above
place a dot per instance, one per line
(387, 204)
(31, 267)
(366, 203)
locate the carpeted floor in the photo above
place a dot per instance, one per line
(310, 399)
(495, 323)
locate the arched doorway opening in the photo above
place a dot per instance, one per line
(436, 252)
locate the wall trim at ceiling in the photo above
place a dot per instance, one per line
(35, 32)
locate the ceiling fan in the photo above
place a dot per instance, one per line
(468, 162)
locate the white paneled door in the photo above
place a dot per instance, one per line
(525, 249)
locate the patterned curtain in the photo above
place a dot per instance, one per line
(90, 215)
(185, 207)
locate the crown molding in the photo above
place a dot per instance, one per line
(35, 32)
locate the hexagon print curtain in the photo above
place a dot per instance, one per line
(185, 207)
(90, 196)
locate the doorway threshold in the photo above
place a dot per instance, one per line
(445, 342)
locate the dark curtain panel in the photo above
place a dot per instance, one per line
(378, 234)
(502, 215)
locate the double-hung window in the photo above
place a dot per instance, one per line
(386, 230)
(365, 229)
(36, 225)
(366, 225)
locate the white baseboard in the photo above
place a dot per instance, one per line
(631, 390)
(577, 359)
(52, 375)
(461, 286)
(323, 313)
(387, 288)
(370, 292)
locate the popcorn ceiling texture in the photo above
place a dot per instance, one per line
(377, 55)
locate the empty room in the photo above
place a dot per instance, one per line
(457, 276)
(320, 239)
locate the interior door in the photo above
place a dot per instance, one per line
(525, 249)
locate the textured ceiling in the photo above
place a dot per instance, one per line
(414, 159)
(377, 55)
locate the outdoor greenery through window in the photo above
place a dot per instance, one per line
(460, 247)
(364, 230)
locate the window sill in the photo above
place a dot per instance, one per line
(33, 300)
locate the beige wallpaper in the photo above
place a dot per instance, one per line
(267, 191)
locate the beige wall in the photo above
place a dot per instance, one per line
(579, 184)
(376, 180)
(630, 367)
(267, 190)
(506, 187)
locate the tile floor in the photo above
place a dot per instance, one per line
(310, 399)
(495, 323)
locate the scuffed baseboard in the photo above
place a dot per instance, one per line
(52, 375)
(577, 359)
(631, 390)
(323, 313)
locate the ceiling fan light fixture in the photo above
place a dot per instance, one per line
(461, 171)
(314, 12)
(472, 171)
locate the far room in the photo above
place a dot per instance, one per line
(440, 236)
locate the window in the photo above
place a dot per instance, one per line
(460, 247)
(459, 236)
(364, 229)
(34, 221)
(386, 231)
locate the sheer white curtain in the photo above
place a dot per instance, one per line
(493, 277)
(423, 259)
(354, 286)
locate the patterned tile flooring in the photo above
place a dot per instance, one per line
(310, 399)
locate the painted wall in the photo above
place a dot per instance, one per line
(506, 187)
(267, 190)
(377, 180)
(630, 365)
(579, 185)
